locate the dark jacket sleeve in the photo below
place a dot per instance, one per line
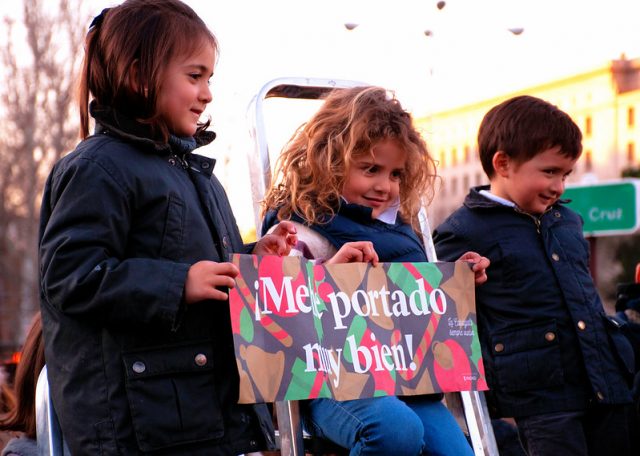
(85, 267)
(449, 242)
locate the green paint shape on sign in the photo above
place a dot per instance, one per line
(246, 325)
(404, 278)
(476, 351)
(357, 329)
(302, 382)
(607, 209)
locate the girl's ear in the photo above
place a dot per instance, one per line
(501, 162)
(134, 77)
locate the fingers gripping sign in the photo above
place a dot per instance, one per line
(279, 241)
(478, 264)
(208, 279)
(356, 252)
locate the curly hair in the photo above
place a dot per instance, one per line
(311, 170)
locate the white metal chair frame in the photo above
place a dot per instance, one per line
(469, 407)
(48, 432)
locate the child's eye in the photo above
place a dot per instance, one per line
(397, 175)
(195, 76)
(371, 169)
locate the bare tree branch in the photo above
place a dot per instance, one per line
(40, 56)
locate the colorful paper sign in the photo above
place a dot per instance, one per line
(349, 331)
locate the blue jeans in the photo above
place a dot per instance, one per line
(387, 426)
(598, 431)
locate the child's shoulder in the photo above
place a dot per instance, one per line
(104, 150)
(101, 154)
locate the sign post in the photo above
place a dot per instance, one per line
(608, 208)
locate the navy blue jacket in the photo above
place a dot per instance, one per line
(546, 342)
(132, 369)
(352, 222)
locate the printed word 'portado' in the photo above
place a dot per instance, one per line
(366, 303)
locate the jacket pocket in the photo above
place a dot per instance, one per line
(173, 232)
(620, 345)
(528, 357)
(172, 395)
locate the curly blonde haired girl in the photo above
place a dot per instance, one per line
(353, 180)
(311, 171)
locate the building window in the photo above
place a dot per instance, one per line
(467, 154)
(631, 117)
(442, 158)
(587, 126)
(454, 157)
(587, 161)
(478, 179)
(631, 153)
(465, 183)
(454, 185)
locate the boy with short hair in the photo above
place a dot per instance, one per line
(552, 358)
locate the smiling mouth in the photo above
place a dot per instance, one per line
(548, 199)
(375, 201)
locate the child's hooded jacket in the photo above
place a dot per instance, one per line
(132, 369)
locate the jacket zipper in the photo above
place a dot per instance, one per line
(178, 159)
(535, 219)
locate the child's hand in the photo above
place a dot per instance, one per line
(279, 241)
(355, 252)
(205, 277)
(480, 265)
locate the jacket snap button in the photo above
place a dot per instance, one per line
(172, 162)
(550, 336)
(201, 359)
(205, 165)
(555, 257)
(582, 325)
(557, 214)
(499, 347)
(139, 367)
(225, 242)
(600, 396)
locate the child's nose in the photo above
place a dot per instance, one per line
(383, 184)
(558, 186)
(205, 94)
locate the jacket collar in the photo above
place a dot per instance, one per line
(359, 213)
(112, 122)
(476, 200)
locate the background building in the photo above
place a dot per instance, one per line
(604, 102)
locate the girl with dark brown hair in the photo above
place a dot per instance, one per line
(135, 237)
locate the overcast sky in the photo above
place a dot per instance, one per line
(470, 55)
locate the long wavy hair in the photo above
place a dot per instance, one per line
(311, 170)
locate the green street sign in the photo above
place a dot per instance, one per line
(610, 208)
